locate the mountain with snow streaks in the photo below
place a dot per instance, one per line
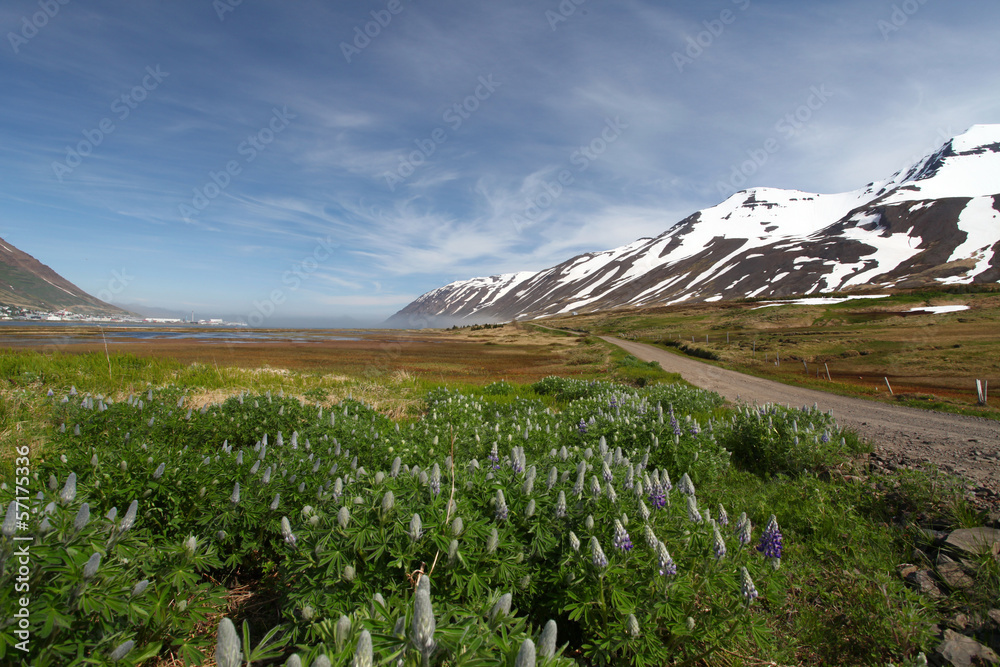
(937, 222)
(27, 283)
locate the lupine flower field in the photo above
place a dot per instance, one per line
(493, 530)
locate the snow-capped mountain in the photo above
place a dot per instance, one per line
(935, 223)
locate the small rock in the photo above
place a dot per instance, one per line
(961, 651)
(952, 574)
(995, 616)
(960, 622)
(973, 540)
(906, 569)
(944, 559)
(924, 582)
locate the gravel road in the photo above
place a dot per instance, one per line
(966, 446)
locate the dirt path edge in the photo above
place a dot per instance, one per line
(966, 446)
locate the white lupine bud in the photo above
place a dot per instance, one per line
(112, 514)
(129, 519)
(343, 517)
(10, 521)
(526, 654)
(235, 498)
(553, 478)
(388, 501)
(293, 661)
(686, 486)
(632, 626)
(457, 526)
(529, 511)
(158, 473)
(588, 523)
(493, 541)
(90, 567)
(191, 545)
(692, 506)
(452, 550)
(501, 608)
(228, 652)
(422, 630)
(363, 656)
(93, 460)
(221, 535)
(349, 573)
(54, 483)
(286, 531)
(140, 588)
(274, 503)
(416, 527)
(68, 493)
(574, 541)
(547, 642)
(121, 651)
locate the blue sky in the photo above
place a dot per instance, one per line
(272, 161)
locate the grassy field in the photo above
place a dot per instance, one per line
(930, 360)
(836, 598)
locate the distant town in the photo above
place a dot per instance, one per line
(11, 312)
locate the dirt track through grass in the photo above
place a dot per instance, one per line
(967, 446)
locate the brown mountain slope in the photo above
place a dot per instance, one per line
(26, 282)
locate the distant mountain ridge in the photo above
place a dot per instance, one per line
(937, 222)
(27, 283)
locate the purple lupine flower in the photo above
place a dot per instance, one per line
(675, 425)
(770, 540)
(495, 457)
(582, 426)
(622, 540)
(657, 498)
(667, 565)
(695, 429)
(516, 462)
(606, 473)
(825, 438)
(746, 586)
(723, 516)
(718, 544)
